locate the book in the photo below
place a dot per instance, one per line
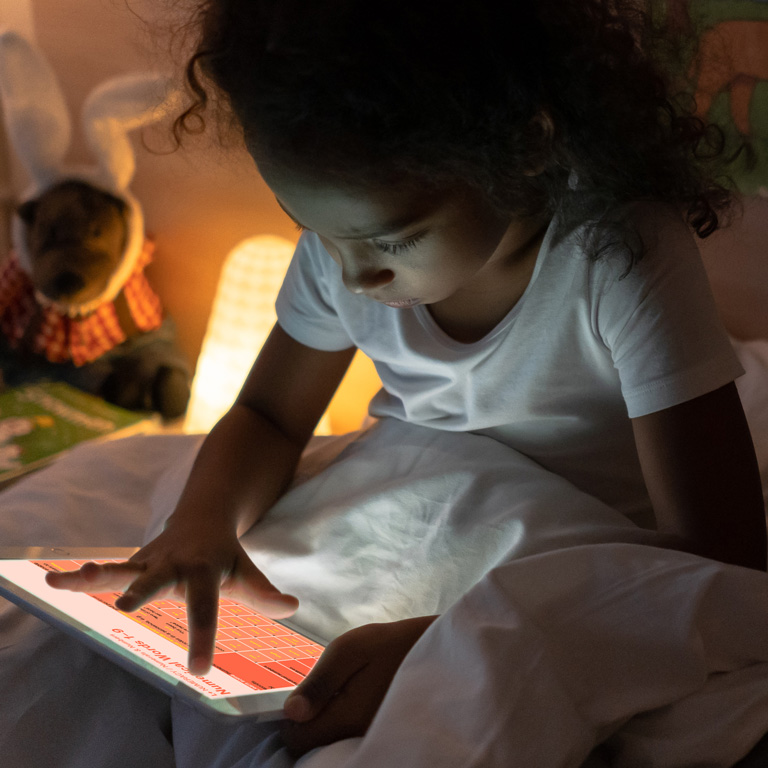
(41, 421)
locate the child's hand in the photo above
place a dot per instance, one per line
(342, 693)
(191, 568)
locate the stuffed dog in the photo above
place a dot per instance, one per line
(75, 236)
(75, 304)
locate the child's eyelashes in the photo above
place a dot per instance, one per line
(385, 247)
(395, 248)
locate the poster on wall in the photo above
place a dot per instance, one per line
(730, 74)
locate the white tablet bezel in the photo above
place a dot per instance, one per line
(259, 706)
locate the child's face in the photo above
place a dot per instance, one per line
(401, 246)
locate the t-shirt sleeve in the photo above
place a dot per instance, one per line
(305, 306)
(661, 324)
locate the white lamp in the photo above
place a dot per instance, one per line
(242, 316)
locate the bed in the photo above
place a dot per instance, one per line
(566, 638)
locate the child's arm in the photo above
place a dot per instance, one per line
(702, 477)
(243, 466)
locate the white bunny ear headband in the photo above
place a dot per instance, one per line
(39, 130)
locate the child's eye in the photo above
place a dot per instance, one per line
(300, 227)
(395, 248)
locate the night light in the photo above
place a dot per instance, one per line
(242, 316)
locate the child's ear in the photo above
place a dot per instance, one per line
(27, 210)
(541, 131)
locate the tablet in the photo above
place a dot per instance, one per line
(257, 660)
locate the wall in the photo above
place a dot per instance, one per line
(736, 259)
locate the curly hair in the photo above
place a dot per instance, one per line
(570, 108)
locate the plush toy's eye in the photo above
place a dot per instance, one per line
(27, 211)
(96, 231)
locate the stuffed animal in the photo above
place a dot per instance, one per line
(75, 304)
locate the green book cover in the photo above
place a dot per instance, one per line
(40, 421)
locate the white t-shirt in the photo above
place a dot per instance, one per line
(585, 348)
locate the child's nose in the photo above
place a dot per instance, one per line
(366, 279)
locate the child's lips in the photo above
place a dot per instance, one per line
(404, 304)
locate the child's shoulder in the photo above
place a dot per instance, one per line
(638, 236)
(644, 251)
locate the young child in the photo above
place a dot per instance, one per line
(497, 202)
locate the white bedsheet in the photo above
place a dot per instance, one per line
(578, 634)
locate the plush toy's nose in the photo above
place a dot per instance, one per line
(64, 285)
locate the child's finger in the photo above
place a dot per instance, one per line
(145, 588)
(95, 577)
(253, 588)
(335, 667)
(342, 718)
(202, 612)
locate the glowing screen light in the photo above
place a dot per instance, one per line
(242, 316)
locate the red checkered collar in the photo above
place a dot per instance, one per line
(43, 328)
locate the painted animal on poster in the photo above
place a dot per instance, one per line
(733, 58)
(75, 303)
(732, 55)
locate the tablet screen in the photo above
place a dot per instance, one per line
(252, 652)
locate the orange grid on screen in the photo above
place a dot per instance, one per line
(252, 648)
